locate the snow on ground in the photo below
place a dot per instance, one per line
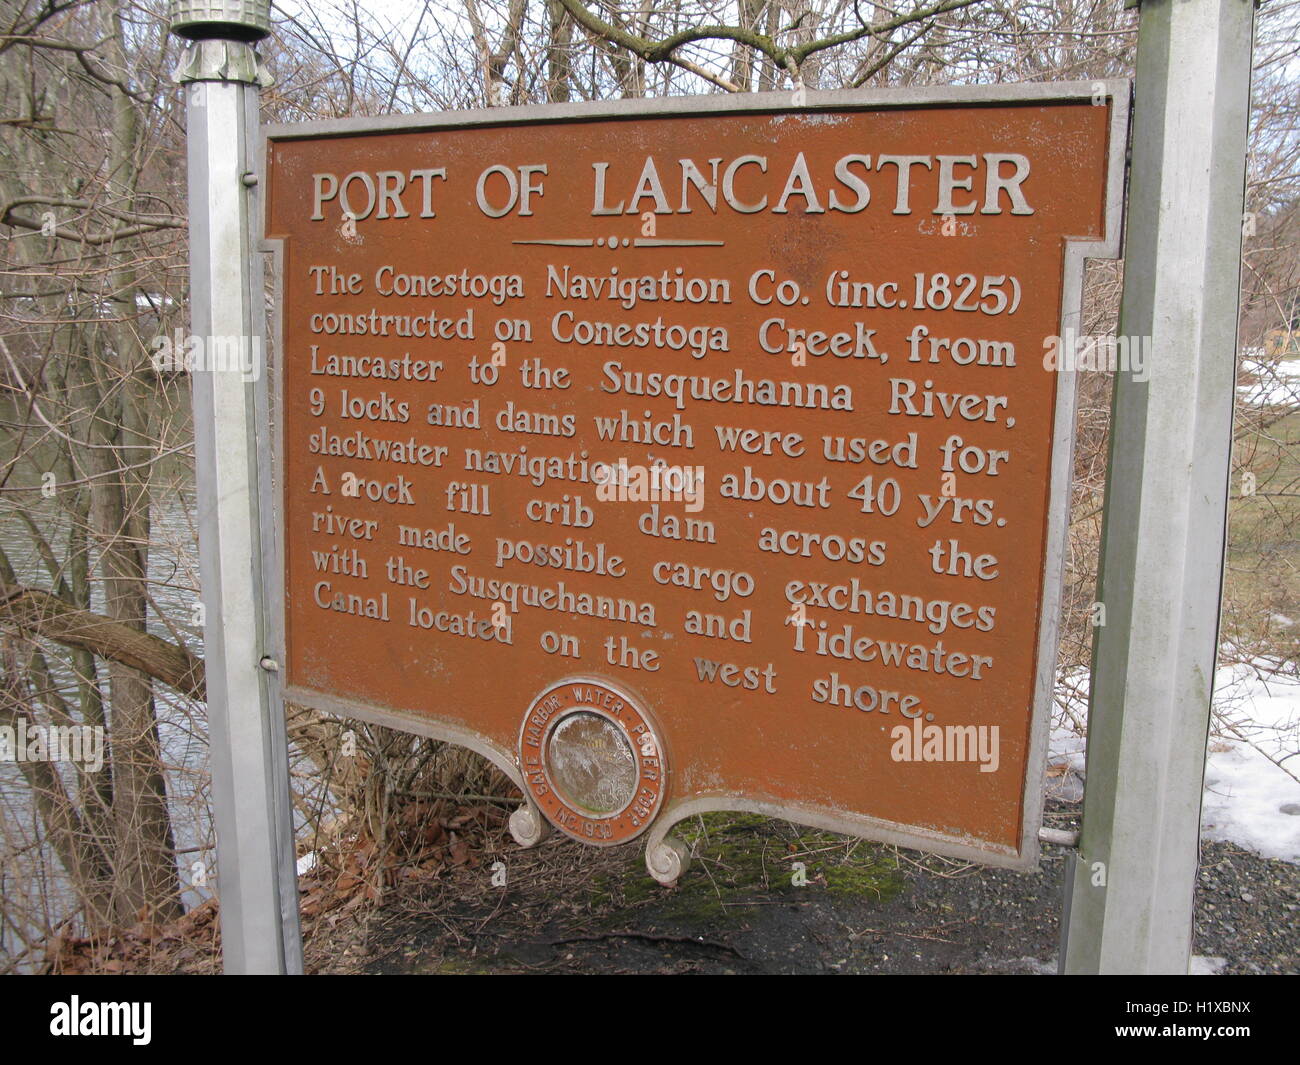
(1270, 382)
(1252, 796)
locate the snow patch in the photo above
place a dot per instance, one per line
(1252, 796)
(1250, 777)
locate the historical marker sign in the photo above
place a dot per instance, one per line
(694, 456)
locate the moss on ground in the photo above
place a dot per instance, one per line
(736, 857)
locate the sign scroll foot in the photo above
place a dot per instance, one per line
(666, 857)
(528, 827)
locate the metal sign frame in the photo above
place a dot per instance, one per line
(665, 857)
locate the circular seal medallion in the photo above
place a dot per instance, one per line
(593, 761)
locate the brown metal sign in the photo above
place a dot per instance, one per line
(698, 454)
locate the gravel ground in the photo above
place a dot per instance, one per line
(865, 908)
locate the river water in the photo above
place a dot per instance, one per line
(28, 871)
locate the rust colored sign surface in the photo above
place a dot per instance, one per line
(680, 460)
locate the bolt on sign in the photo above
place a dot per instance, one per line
(695, 455)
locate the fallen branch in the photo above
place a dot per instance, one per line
(43, 614)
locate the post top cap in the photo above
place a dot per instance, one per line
(239, 20)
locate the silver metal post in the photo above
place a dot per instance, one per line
(1130, 900)
(250, 778)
